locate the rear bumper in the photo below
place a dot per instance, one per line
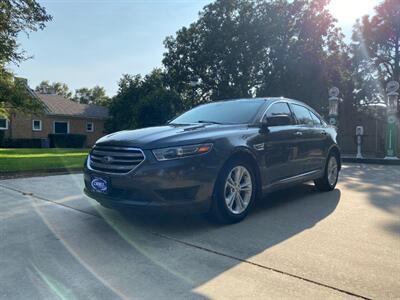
(182, 185)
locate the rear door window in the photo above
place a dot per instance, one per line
(303, 115)
(316, 120)
(279, 108)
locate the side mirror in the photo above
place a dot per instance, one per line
(278, 120)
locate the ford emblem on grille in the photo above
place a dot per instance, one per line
(99, 185)
(107, 159)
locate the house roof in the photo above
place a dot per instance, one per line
(58, 105)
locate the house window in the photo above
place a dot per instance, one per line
(37, 125)
(89, 127)
(61, 127)
(3, 124)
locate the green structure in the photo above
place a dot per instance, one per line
(392, 119)
(333, 106)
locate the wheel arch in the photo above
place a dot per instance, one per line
(245, 154)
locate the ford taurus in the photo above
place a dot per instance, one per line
(216, 158)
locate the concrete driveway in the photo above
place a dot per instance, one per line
(56, 243)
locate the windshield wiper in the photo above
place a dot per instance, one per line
(208, 122)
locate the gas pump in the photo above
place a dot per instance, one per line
(392, 119)
(359, 140)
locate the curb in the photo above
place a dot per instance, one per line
(379, 161)
(39, 173)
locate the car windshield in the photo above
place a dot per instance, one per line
(228, 112)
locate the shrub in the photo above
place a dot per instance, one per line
(1, 138)
(67, 140)
(22, 143)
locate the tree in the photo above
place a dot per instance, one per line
(99, 96)
(122, 106)
(82, 95)
(16, 94)
(306, 54)
(142, 102)
(376, 51)
(17, 16)
(58, 88)
(96, 95)
(220, 48)
(159, 103)
(245, 48)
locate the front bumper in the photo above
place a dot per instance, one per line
(181, 185)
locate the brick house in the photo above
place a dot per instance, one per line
(60, 116)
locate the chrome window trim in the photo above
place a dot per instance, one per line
(116, 148)
(289, 102)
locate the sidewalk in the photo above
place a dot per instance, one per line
(39, 173)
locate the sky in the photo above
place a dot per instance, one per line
(94, 42)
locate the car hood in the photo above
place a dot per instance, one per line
(168, 135)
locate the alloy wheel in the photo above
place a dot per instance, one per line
(238, 190)
(332, 170)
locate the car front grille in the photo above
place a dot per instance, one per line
(116, 160)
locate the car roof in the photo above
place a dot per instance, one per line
(269, 100)
(272, 99)
(275, 99)
(266, 99)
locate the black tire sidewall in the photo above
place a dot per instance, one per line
(323, 184)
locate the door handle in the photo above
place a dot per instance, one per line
(323, 132)
(298, 133)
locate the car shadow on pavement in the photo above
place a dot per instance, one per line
(288, 211)
(277, 218)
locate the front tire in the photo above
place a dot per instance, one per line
(331, 175)
(234, 192)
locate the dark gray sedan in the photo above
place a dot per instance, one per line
(216, 158)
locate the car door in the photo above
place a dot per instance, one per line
(320, 129)
(309, 141)
(280, 149)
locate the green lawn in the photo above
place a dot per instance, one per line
(14, 160)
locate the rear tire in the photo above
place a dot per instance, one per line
(234, 192)
(331, 175)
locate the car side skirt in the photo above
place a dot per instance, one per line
(294, 180)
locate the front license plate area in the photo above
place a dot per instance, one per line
(99, 184)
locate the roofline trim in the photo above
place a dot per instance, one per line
(77, 116)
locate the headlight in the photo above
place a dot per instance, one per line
(181, 151)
